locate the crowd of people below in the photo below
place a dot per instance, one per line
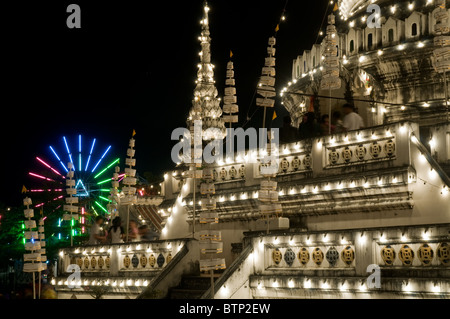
(116, 233)
(311, 127)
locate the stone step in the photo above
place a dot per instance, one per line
(177, 293)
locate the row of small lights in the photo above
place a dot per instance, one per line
(361, 59)
(120, 249)
(313, 189)
(393, 8)
(327, 238)
(296, 148)
(96, 282)
(309, 283)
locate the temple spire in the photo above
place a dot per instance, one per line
(206, 104)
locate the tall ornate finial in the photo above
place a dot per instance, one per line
(206, 104)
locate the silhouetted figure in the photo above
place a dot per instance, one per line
(352, 120)
(337, 122)
(147, 234)
(325, 125)
(309, 127)
(116, 232)
(288, 133)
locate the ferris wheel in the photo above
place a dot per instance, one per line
(93, 165)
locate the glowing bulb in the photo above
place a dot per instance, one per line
(291, 284)
(307, 284)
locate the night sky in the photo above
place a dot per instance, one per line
(132, 65)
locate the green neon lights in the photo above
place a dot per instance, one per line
(109, 166)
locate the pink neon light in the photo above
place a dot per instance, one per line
(44, 218)
(54, 170)
(141, 192)
(41, 177)
(39, 205)
(46, 190)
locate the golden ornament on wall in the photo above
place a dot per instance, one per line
(93, 262)
(347, 154)
(333, 157)
(277, 256)
(86, 262)
(143, 261)
(296, 163)
(107, 261)
(79, 262)
(307, 161)
(317, 256)
(169, 258)
(233, 172)
(223, 174)
(303, 256)
(406, 255)
(360, 152)
(375, 150)
(126, 261)
(284, 165)
(388, 255)
(443, 253)
(101, 262)
(389, 148)
(242, 171)
(152, 260)
(425, 254)
(348, 255)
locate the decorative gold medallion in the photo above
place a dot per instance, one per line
(233, 172)
(347, 154)
(108, 262)
(152, 260)
(348, 255)
(169, 258)
(389, 148)
(317, 256)
(333, 157)
(93, 262)
(284, 165)
(303, 256)
(143, 261)
(79, 262)
(406, 255)
(307, 161)
(86, 262)
(388, 255)
(101, 262)
(375, 150)
(443, 253)
(360, 152)
(126, 261)
(277, 256)
(425, 254)
(296, 163)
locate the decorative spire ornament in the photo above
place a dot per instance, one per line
(230, 99)
(330, 77)
(441, 55)
(129, 190)
(114, 194)
(268, 196)
(206, 108)
(206, 104)
(36, 240)
(71, 200)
